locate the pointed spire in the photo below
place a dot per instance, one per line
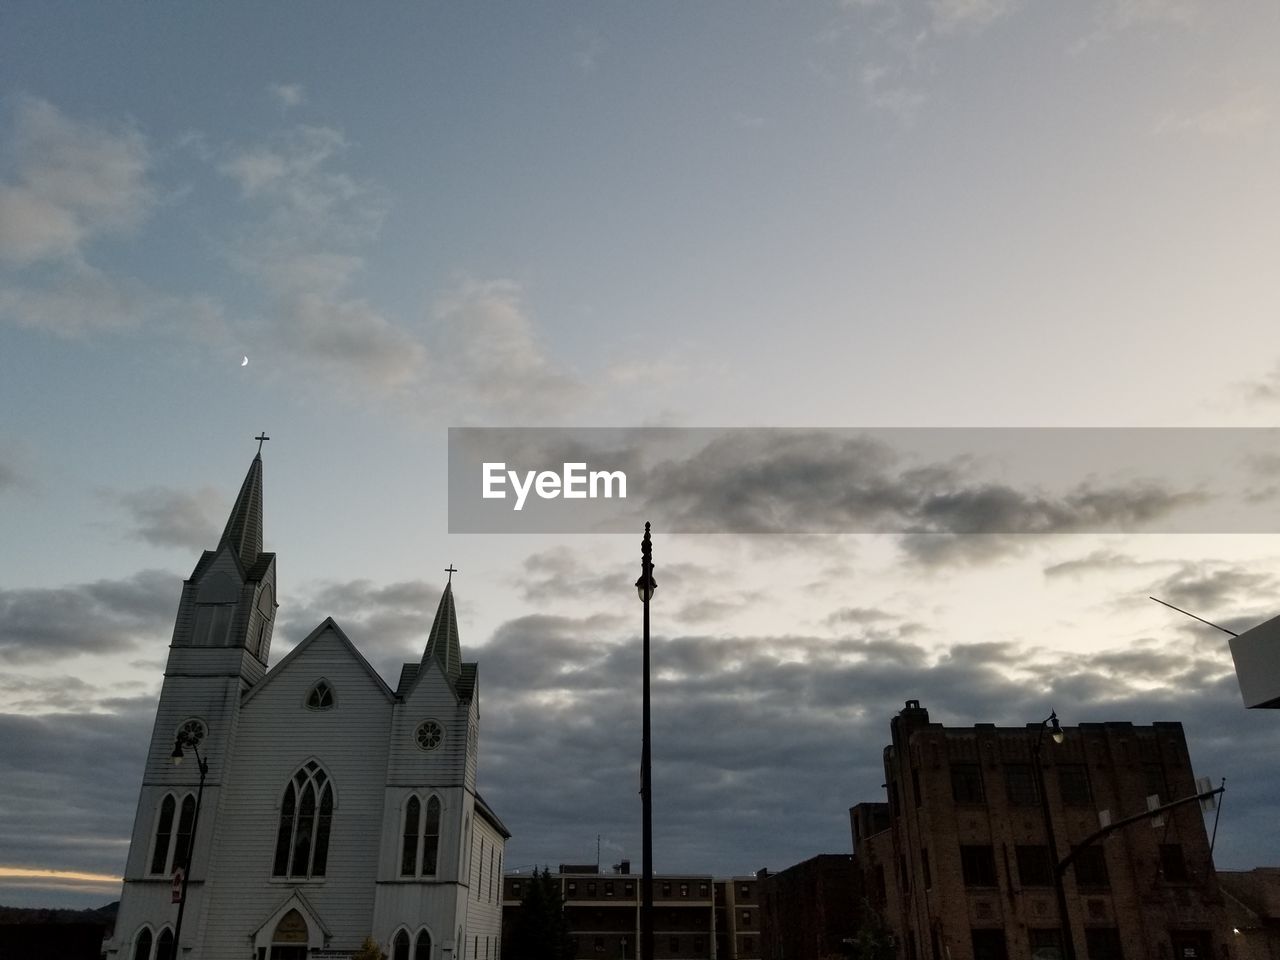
(243, 532)
(442, 643)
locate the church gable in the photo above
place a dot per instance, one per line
(326, 654)
(431, 731)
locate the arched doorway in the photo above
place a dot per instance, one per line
(289, 942)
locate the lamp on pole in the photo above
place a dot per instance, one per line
(1051, 724)
(185, 739)
(646, 587)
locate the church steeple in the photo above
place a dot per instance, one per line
(243, 532)
(442, 643)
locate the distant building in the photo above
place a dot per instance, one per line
(696, 917)
(959, 864)
(810, 911)
(1253, 912)
(336, 807)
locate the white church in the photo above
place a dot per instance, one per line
(334, 807)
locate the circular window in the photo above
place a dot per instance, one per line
(192, 731)
(429, 734)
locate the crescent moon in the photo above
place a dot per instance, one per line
(244, 362)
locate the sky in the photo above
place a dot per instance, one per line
(410, 217)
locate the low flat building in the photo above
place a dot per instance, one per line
(696, 916)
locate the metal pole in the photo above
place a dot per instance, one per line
(191, 846)
(1068, 944)
(646, 773)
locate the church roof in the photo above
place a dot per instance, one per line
(442, 643)
(329, 625)
(243, 532)
(486, 811)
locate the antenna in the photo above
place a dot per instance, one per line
(1194, 617)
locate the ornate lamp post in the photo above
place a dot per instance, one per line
(646, 587)
(185, 739)
(1051, 724)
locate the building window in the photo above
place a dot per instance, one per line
(192, 731)
(684, 889)
(409, 848)
(429, 735)
(698, 945)
(989, 945)
(598, 945)
(629, 888)
(1103, 943)
(142, 945)
(749, 944)
(666, 888)
(591, 889)
(515, 888)
(422, 948)
(160, 850)
(1073, 784)
(1034, 866)
(1090, 865)
(573, 888)
(489, 891)
(431, 838)
(744, 891)
(978, 864)
(1020, 782)
(608, 888)
(1172, 864)
(182, 842)
(1153, 781)
(164, 945)
(320, 697)
(674, 944)
(306, 814)
(702, 889)
(915, 787)
(924, 868)
(904, 873)
(480, 879)
(746, 918)
(1045, 943)
(400, 946)
(966, 783)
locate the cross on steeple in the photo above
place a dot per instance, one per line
(260, 438)
(451, 570)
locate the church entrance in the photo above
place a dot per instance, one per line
(290, 940)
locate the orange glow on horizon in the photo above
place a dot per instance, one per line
(29, 873)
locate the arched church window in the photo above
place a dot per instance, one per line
(400, 946)
(164, 945)
(409, 851)
(160, 852)
(422, 948)
(182, 843)
(431, 837)
(306, 815)
(320, 697)
(142, 945)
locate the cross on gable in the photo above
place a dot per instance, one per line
(451, 570)
(261, 438)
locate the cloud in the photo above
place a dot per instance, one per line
(288, 94)
(487, 359)
(106, 616)
(796, 481)
(1203, 588)
(173, 518)
(71, 182)
(949, 15)
(1237, 116)
(1099, 561)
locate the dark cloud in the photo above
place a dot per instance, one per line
(174, 518)
(106, 616)
(69, 786)
(795, 481)
(1205, 588)
(1100, 561)
(762, 742)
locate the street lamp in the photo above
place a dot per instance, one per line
(646, 587)
(185, 739)
(1058, 734)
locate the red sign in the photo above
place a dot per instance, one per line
(177, 886)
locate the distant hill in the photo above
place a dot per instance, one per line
(105, 915)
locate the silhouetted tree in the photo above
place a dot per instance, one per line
(540, 930)
(873, 941)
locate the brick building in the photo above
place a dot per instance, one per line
(959, 863)
(696, 917)
(811, 910)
